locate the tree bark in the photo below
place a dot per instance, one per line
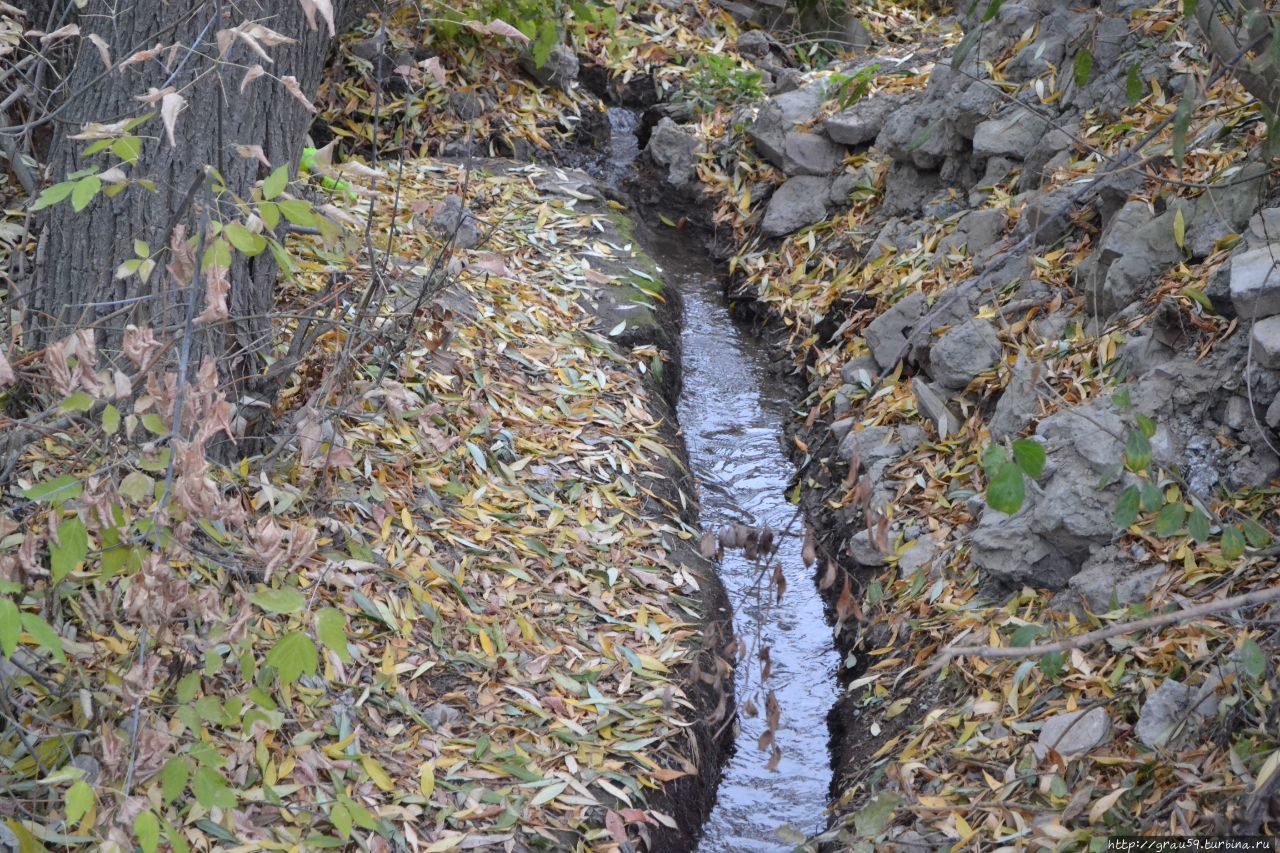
(74, 283)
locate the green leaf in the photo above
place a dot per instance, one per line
(1170, 519)
(9, 631)
(211, 789)
(341, 819)
(54, 194)
(1253, 658)
(43, 634)
(77, 402)
(1179, 229)
(110, 419)
(293, 656)
(245, 241)
(1029, 455)
(275, 183)
(1025, 635)
(79, 800)
(1006, 491)
(1232, 542)
(72, 548)
(1256, 534)
(1083, 67)
(284, 600)
(1137, 451)
(992, 458)
(1134, 88)
(331, 628)
(1152, 497)
(876, 814)
(966, 45)
(1145, 424)
(1189, 7)
(1198, 526)
(173, 778)
(298, 212)
(147, 830)
(155, 424)
(217, 255)
(84, 191)
(1051, 665)
(993, 9)
(56, 491)
(1199, 297)
(127, 148)
(138, 487)
(1126, 508)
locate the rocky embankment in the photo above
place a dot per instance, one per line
(999, 239)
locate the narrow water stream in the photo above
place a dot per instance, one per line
(732, 410)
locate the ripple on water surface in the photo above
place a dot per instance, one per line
(732, 411)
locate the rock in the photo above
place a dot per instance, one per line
(467, 106)
(859, 371)
(862, 122)
(1255, 282)
(1047, 217)
(842, 186)
(906, 188)
(674, 148)
(1110, 572)
(1165, 709)
(863, 550)
(919, 136)
(932, 405)
(841, 428)
(843, 403)
(755, 44)
(1238, 413)
(886, 335)
(1266, 343)
(917, 556)
(964, 352)
(1037, 57)
(779, 116)
(870, 445)
(1074, 732)
(454, 222)
(1008, 552)
(559, 71)
(1223, 210)
(1272, 416)
(1264, 226)
(1012, 135)
(800, 201)
(810, 154)
(976, 231)
(1131, 257)
(973, 106)
(1053, 147)
(1018, 405)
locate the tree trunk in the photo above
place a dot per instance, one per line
(74, 284)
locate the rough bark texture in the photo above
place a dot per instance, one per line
(74, 283)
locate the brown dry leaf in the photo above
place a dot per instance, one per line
(294, 88)
(252, 73)
(170, 105)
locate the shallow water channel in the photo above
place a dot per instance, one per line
(732, 409)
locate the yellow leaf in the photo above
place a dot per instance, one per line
(962, 826)
(427, 778)
(487, 644)
(376, 773)
(1102, 806)
(1179, 228)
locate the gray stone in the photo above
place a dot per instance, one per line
(869, 445)
(906, 188)
(1012, 135)
(918, 556)
(467, 106)
(559, 71)
(1047, 217)
(1223, 210)
(964, 352)
(1272, 416)
(454, 221)
(1266, 343)
(886, 335)
(862, 122)
(1074, 732)
(755, 44)
(933, 406)
(1255, 282)
(1110, 572)
(1053, 147)
(842, 186)
(859, 371)
(841, 428)
(1238, 413)
(1132, 256)
(976, 231)
(843, 403)
(810, 154)
(1037, 57)
(1012, 555)
(800, 201)
(674, 148)
(1165, 709)
(1018, 405)
(863, 550)
(918, 134)
(779, 116)
(1264, 225)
